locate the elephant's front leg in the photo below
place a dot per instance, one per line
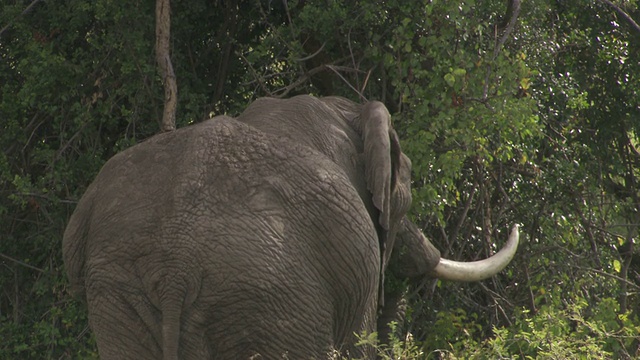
(413, 256)
(393, 311)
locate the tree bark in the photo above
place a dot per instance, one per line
(163, 57)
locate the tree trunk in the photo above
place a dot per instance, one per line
(163, 31)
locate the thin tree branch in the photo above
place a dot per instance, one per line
(335, 70)
(622, 13)
(257, 77)
(308, 57)
(513, 10)
(283, 92)
(364, 85)
(24, 12)
(606, 274)
(307, 75)
(454, 234)
(6, 257)
(227, 36)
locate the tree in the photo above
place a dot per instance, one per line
(163, 37)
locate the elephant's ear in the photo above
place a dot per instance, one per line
(381, 156)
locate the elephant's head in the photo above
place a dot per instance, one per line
(388, 177)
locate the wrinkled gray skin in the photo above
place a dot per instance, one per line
(264, 235)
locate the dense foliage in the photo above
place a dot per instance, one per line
(510, 113)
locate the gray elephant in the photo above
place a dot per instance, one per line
(264, 236)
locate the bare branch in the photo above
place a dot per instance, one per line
(308, 74)
(6, 257)
(623, 14)
(24, 12)
(606, 274)
(227, 36)
(283, 92)
(286, 8)
(314, 54)
(512, 12)
(364, 85)
(335, 70)
(257, 77)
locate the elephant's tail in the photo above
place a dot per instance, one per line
(171, 314)
(74, 242)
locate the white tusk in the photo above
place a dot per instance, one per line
(478, 270)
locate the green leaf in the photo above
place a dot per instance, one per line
(450, 79)
(459, 72)
(617, 266)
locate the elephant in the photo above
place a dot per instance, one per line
(264, 236)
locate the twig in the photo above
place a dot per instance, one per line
(364, 85)
(69, 142)
(286, 90)
(623, 14)
(606, 274)
(258, 78)
(513, 10)
(286, 9)
(312, 55)
(465, 211)
(335, 70)
(6, 257)
(24, 12)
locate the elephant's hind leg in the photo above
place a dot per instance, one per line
(122, 323)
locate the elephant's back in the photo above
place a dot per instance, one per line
(218, 169)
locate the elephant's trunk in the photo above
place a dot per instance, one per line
(478, 270)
